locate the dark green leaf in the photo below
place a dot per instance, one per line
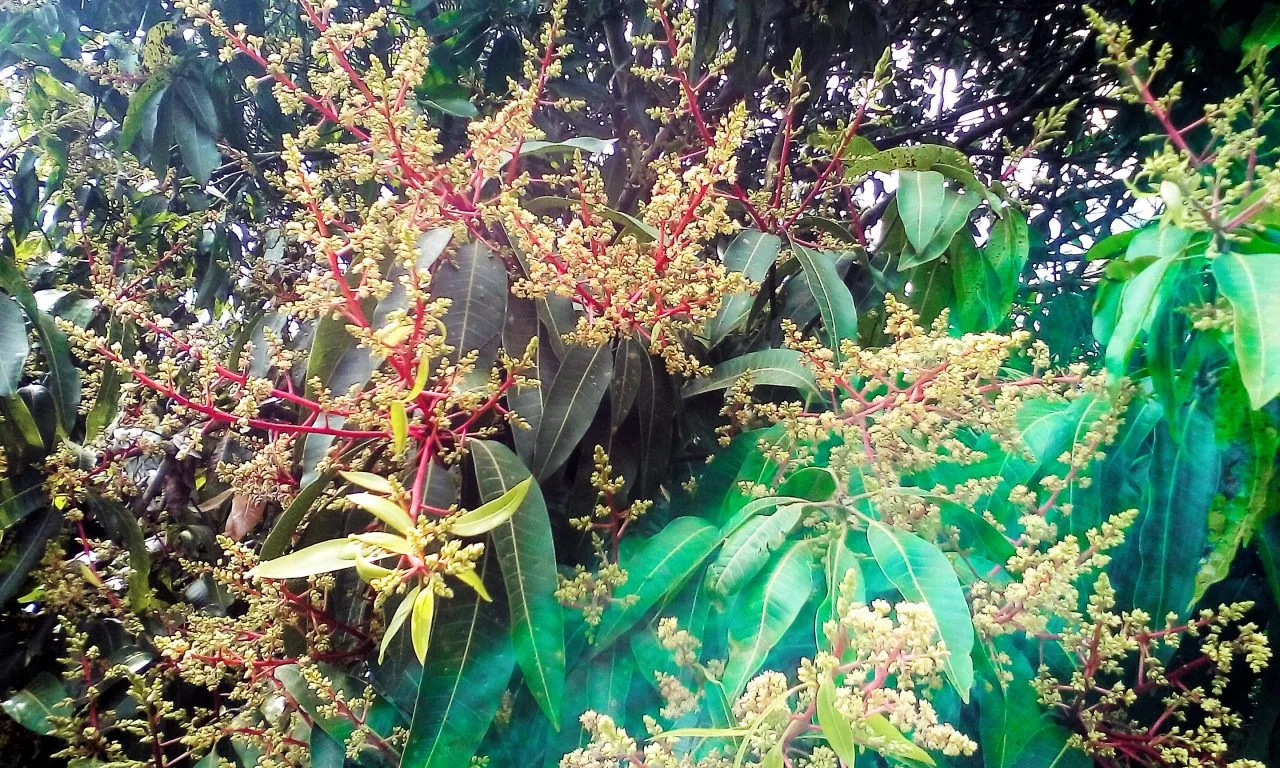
(747, 549)
(13, 346)
(752, 253)
(43, 698)
(570, 404)
(835, 303)
(29, 537)
(526, 552)
(771, 367)
(475, 280)
(658, 567)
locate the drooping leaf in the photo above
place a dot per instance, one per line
(424, 613)
(1142, 295)
(658, 567)
(526, 553)
(29, 537)
(570, 404)
(747, 549)
(920, 205)
(124, 527)
(772, 367)
(461, 684)
(764, 611)
(13, 346)
(837, 562)
(835, 726)
(1251, 282)
(835, 303)
(752, 253)
(922, 573)
(63, 379)
(1173, 528)
(402, 613)
(198, 147)
(475, 281)
(954, 212)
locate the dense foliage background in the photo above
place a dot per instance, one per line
(391, 384)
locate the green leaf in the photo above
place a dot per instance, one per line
(461, 685)
(570, 405)
(526, 552)
(747, 549)
(475, 281)
(771, 367)
(835, 727)
(764, 611)
(656, 568)
(1264, 33)
(142, 104)
(324, 557)
(196, 97)
(384, 509)
(493, 513)
(752, 253)
(1251, 282)
(124, 527)
(954, 212)
(588, 145)
(921, 157)
(197, 146)
(1142, 296)
(883, 732)
(63, 379)
(1005, 254)
(13, 346)
(1172, 530)
(922, 573)
(369, 481)
(631, 226)
(29, 538)
(403, 610)
(835, 303)
(424, 612)
(811, 483)
(920, 205)
(32, 707)
(837, 562)
(282, 532)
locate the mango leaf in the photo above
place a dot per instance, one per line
(142, 104)
(1251, 282)
(1142, 296)
(882, 732)
(752, 253)
(29, 538)
(570, 404)
(424, 612)
(369, 481)
(588, 145)
(494, 512)
(198, 147)
(656, 404)
(747, 549)
(764, 611)
(656, 568)
(526, 552)
(327, 556)
(403, 611)
(835, 303)
(1172, 530)
(282, 533)
(63, 379)
(125, 528)
(1234, 523)
(920, 205)
(837, 562)
(461, 685)
(922, 573)
(13, 346)
(384, 509)
(954, 212)
(32, 707)
(835, 726)
(475, 280)
(1005, 255)
(772, 367)
(625, 385)
(811, 483)
(921, 157)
